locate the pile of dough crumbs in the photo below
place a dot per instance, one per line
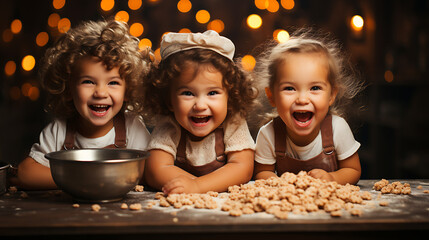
(296, 193)
(395, 187)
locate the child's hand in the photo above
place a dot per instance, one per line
(181, 184)
(321, 174)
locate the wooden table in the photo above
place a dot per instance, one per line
(50, 214)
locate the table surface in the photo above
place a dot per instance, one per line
(51, 213)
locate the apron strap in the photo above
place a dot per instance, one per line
(279, 137)
(118, 124)
(327, 136)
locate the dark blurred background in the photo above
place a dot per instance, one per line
(390, 50)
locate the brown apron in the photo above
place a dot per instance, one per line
(120, 133)
(198, 171)
(326, 160)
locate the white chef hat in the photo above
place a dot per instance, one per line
(177, 42)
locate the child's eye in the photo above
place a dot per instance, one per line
(114, 83)
(288, 89)
(87, 82)
(212, 93)
(315, 88)
(186, 93)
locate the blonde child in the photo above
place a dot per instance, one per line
(199, 98)
(308, 84)
(92, 75)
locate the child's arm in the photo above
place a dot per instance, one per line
(160, 169)
(33, 175)
(264, 171)
(238, 170)
(349, 171)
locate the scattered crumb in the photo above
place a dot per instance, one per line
(95, 207)
(175, 219)
(383, 203)
(426, 191)
(337, 213)
(138, 188)
(13, 189)
(396, 187)
(135, 206)
(24, 195)
(356, 212)
(75, 205)
(173, 213)
(124, 206)
(419, 187)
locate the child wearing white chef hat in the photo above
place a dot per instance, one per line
(199, 99)
(93, 76)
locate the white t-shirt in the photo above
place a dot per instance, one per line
(344, 143)
(166, 136)
(53, 136)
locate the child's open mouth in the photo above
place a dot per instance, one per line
(303, 117)
(200, 119)
(99, 108)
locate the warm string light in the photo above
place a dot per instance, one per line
(254, 21)
(184, 6)
(357, 23)
(134, 4)
(122, 16)
(58, 4)
(248, 62)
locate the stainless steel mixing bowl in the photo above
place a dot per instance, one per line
(96, 175)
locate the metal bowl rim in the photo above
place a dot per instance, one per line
(4, 165)
(144, 154)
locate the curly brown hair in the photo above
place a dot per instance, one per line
(239, 84)
(112, 44)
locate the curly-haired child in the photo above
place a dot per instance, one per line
(308, 82)
(93, 77)
(199, 99)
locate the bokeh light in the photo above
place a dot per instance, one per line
(202, 16)
(287, 4)
(136, 29)
(10, 68)
(388, 76)
(184, 6)
(122, 16)
(145, 42)
(261, 4)
(33, 93)
(134, 4)
(107, 5)
(216, 25)
(185, 30)
(16, 26)
(281, 35)
(248, 62)
(25, 88)
(254, 21)
(42, 39)
(64, 25)
(53, 20)
(357, 23)
(273, 6)
(58, 4)
(28, 63)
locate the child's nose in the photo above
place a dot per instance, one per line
(100, 91)
(200, 104)
(302, 99)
